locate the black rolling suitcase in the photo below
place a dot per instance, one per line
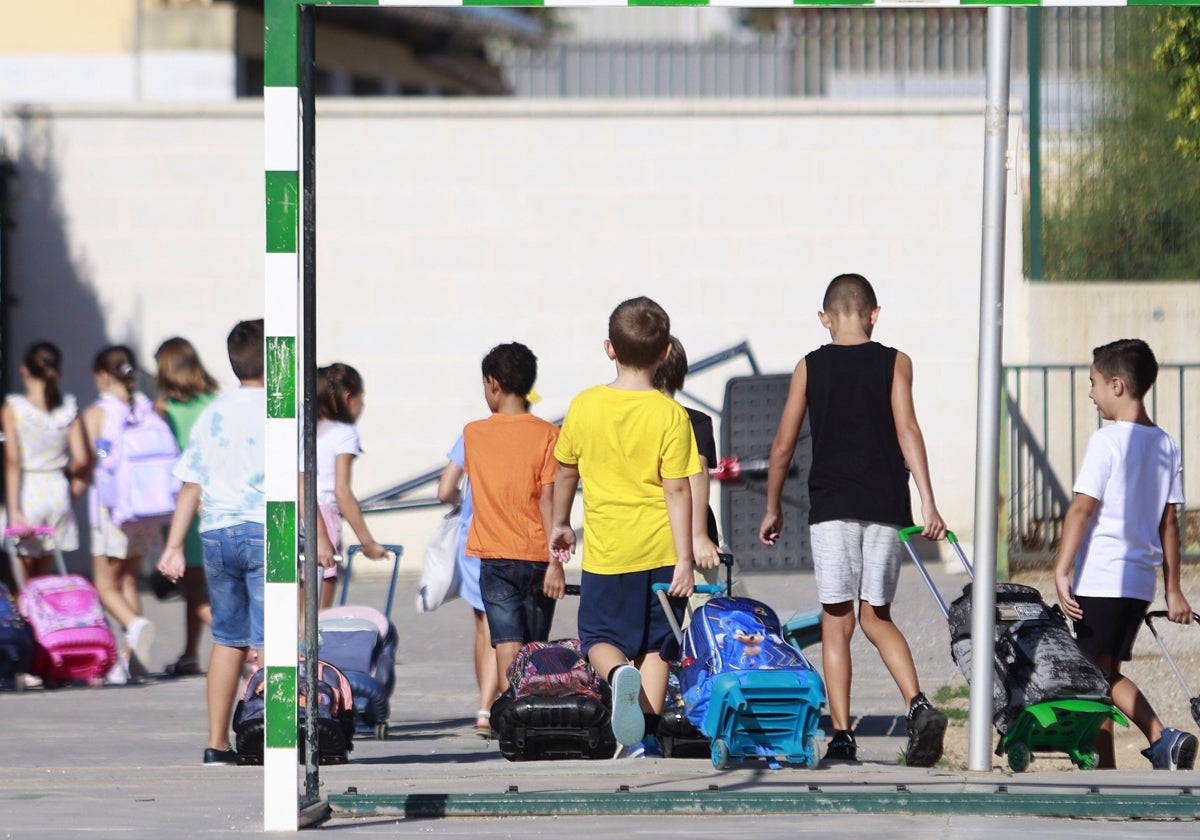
(556, 707)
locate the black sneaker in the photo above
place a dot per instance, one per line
(926, 727)
(842, 747)
(213, 756)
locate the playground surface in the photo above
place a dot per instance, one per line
(126, 761)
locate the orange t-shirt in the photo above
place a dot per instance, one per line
(509, 457)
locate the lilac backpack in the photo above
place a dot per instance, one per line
(136, 455)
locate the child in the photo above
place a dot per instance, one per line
(184, 389)
(118, 546)
(450, 493)
(509, 459)
(46, 459)
(865, 442)
(339, 405)
(1120, 527)
(223, 478)
(632, 447)
(668, 378)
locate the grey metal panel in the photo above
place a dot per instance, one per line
(749, 419)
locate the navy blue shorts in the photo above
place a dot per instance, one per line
(622, 611)
(517, 611)
(1109, 626)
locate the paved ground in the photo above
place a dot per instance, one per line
(125, 762)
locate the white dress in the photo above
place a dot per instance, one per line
(45, 453)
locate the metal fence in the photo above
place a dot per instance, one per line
(1048, 420)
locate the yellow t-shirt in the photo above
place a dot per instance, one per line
(624, 444)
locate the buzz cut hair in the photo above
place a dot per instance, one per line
(1129, 359)
(849, 294)
(639, 330)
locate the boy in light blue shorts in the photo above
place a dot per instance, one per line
(222, 471)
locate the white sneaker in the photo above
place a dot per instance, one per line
(139, 636)
(118, 674)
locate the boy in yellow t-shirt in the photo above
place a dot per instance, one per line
(632, 446)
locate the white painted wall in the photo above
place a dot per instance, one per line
(446, 227)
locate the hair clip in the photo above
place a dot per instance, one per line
(533, 397)
(124, 369)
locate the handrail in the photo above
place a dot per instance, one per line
(391, 498)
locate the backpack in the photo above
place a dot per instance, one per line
(72, 637)
(136, 456)
(16, 640)
(553, 669)
(334, 715)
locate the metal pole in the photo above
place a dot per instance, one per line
(987, 431)
(1034, 37)
(308, 368)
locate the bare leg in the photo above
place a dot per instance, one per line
(837, 626)
(485, 664)
(1129, 699)
(107, 575)
(129, 582)
(506, 652)
(893, 648)
(328, 590)
(604, 657)
(224, 672)
(195, 594)
(654, 670)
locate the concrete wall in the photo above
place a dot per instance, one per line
(445, 227)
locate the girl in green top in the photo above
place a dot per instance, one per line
(184, 389)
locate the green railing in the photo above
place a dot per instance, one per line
(1048, 420)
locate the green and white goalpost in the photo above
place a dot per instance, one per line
(289, 273)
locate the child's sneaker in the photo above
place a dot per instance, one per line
(926, 728)
(648, 748)
(139, 636)
(842, 747)
(1174, 750)
(628, 724)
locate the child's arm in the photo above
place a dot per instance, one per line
(12, 467)
(782, 450)
(561, 536)
(1075, 521)
(678, 493)
(172, 563)
(912, 445)
(1178, 608)
(704, 550)
(555, 583)
(79, 468)
(448, 490)
(349, 508)
(324, 545)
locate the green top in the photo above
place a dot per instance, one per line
(182, 416)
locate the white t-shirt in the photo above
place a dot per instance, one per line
(226, 456)
(1134, 472)
(334, 438)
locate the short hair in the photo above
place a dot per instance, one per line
(119, 363)
(513, 366)
(639, 330)
(43, 361)
(671, 371)
(849, 294)
(335, 384)
(1129, 359)
(181, 375)
(245, 345)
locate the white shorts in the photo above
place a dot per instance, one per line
(134, 539)
(856, 560)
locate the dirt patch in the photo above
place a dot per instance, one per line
(1149, 669)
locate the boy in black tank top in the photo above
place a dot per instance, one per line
(866, 441)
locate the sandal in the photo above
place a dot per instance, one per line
(483, 723)
(184, 666)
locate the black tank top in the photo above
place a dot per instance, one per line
(858, 471)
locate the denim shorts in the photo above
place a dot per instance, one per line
(234, 561)
(517, 611)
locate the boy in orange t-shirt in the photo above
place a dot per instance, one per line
(509, 458)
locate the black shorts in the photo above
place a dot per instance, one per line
(1109, 626)
(621, 610)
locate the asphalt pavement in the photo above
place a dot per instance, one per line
(126, 761)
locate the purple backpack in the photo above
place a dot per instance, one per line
(552, 669)
(136, 455)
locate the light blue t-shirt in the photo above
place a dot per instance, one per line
(226, 456)
(468, 567)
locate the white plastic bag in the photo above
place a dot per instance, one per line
(439, 571)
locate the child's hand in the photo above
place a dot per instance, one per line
(374, 550)
(683, 581)
(171, 564)
(768, 531)
(935, 526)
(1066, 600)
(325, 555)
(555, 583)
(562, 543)
(1178, 608)
(707, 554)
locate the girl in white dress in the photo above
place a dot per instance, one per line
(47, 461)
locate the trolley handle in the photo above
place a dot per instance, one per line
(393, 553)
(906, 535)
(660, 589)
(1170, 659)
(1163, 614)
(27, 530)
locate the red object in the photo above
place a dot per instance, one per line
(728, 468)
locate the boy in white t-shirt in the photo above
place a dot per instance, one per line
(1121, 526)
